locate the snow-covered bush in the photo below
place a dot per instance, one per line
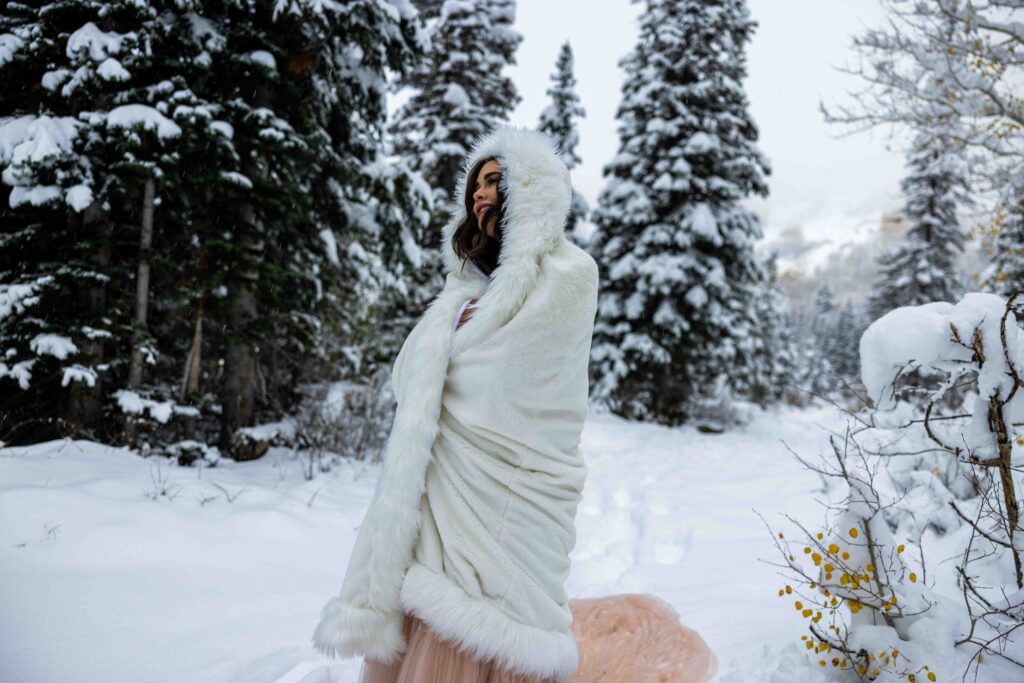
(916, 574)
(715, 408)
(189, 453)
(344, 419)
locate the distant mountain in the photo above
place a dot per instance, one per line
(848, 262)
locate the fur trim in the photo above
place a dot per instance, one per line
(538, 192)
(347, 631)
(477, 626)
(537, 189)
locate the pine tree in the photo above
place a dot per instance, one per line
(924, 266)
(674, 244)
(428, 9)
(818, 371)
(776, 348)
(459, 93)
(241, 171)
(850, 325)
(78, 206)
(558, 121)
(1005, 276)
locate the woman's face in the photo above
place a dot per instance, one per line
(485, 194)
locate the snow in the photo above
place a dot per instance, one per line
(53, 345)
(33, 139)
(52, 80)
(922, 336)
(111, 70)
(21, 372)
(131, 115)
(99, 44)
(330, 246)
(702, 221)
(224, 128)
(271, 430)
(78, 373)
(696, 296)
(264, 59)
(38, 195)
(9, 45)
(15, 298)
(131, 403)
(456, 96)
(701, 143)
(237, 178)
(137, 565)
(78, 197)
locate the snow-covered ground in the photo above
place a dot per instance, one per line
(102, 578)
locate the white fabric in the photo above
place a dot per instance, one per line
(472, 521)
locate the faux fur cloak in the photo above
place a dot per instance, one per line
(473, 517)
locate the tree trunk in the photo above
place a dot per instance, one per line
(85, 403)
(238, 387)
(193, 362)
(139, 333)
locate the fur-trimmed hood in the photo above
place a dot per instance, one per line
(538, 193)
(537, 190)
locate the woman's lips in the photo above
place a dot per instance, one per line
(483, 207)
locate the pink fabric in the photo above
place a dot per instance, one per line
(429, 659)
(458, 316)
(622, 639)
(637, 639)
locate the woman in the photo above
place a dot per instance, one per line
(458, 569)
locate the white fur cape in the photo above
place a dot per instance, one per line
(473, 518)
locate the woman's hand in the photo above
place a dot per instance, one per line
(467, 313)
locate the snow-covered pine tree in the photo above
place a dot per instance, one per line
(459, 92)
(673, 242)
(1005, 276)
(774, 336)
(850, 325)
(817, 372)
(303, 231)
(823, 321)
(428, 9)
(371, 208)
(925, 265)
(558, 120)
(505, 40)
(271, 218)
(85, 151)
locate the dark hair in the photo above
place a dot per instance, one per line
(469, 241)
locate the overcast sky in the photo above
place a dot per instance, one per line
(832, 188)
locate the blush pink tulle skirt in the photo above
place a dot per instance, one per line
(622, 639)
